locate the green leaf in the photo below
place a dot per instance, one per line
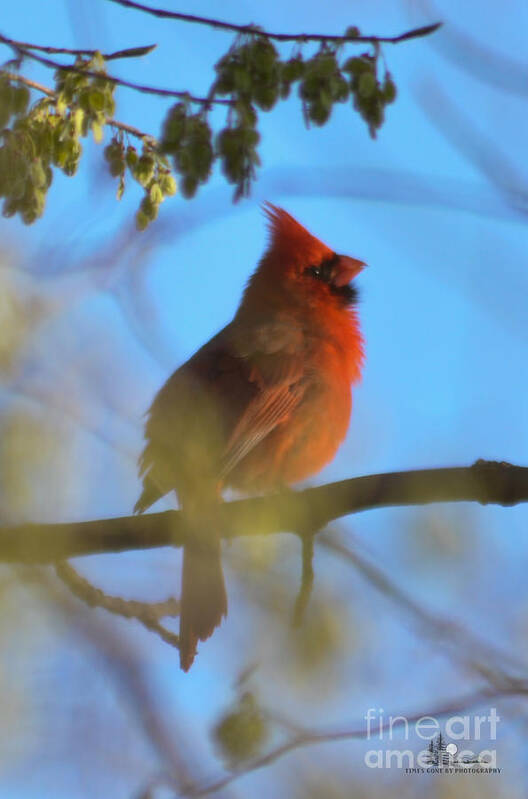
(29, 215)
(149, 208)
(357, 65)
(71, 167)
(389, 90)
(120, 188)
(117, 167)
(144, 169)
(167, 185)
(38, 174)
(266, 97)
(20, 100)
(111, 151)
(96, 99)
(142, 220)
(5, 114)
(367, 84)
(156, 194)
(131, 156)
(77, 118)
(97, 131)
(10, 207)
(189, 185)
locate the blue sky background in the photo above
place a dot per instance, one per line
(437, 207)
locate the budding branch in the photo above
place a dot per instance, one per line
(487, 482)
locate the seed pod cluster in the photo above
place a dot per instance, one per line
(28, 150)
(321, 86)
(47, 135)
(254, 77)
(241, 732)
(24, 174)
(250, 73)
(186, 137)
(236, 147)
(291, 71)
(80, 92)
(114, 154)
(151, 170)
(369, 95)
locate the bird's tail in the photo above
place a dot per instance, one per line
(203, 597)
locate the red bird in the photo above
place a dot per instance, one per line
(265, 403)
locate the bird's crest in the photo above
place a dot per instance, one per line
(290, 239)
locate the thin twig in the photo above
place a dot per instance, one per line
(307, 579)
(129, 52)
(415, 33)
(139, 134)
(148, 613)
(31, 84)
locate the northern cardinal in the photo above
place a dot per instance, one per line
(265, 403)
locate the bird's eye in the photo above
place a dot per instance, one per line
(323, 271)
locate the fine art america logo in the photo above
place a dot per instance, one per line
(455, 750)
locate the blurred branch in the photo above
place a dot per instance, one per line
(462, 644)
(483, 63)
(148, 613)
(311, 737)
(487, 482)
(126, 666)
(415, 33)
(479, 148)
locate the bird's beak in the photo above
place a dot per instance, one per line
(348, 269)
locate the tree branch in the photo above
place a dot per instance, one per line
(48, 62)
(487, 482)
(425, 30)
(147, 613)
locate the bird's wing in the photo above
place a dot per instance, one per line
(272, 360)
(250, 377)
